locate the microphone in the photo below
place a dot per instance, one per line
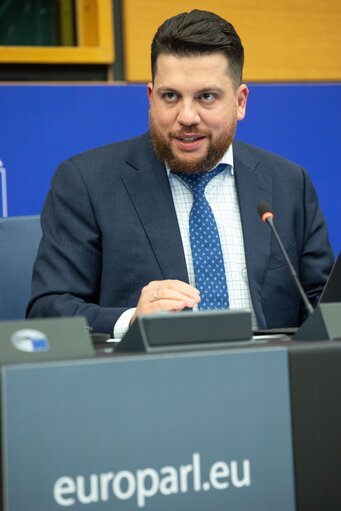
(266, 214)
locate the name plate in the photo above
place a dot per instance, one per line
(209, 430)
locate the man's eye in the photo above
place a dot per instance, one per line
(170, 96)
(207, 97)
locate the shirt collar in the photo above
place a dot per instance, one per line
(227, 159)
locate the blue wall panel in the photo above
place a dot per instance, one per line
(40, 125)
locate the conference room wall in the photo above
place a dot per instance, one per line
(44, 124)
(295, 40)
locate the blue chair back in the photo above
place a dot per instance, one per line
(19, 240)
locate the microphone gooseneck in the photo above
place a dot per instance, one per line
(267, 215)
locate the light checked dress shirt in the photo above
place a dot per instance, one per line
(221, 194)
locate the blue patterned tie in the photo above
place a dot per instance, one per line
(208, 262)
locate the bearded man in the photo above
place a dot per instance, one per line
(121, 222)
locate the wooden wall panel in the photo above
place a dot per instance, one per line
(284, 40)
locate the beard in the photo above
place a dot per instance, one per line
(215, 151)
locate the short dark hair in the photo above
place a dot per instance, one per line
(199, 33)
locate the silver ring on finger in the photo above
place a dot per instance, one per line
(155, 296)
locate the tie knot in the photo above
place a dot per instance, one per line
(198, 182)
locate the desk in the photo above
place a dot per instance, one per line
(243, 429)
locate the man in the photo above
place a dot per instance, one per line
(119, 222)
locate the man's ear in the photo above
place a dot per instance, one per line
(150, 91)
(242, 95)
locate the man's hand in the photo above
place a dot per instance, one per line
(166, 295)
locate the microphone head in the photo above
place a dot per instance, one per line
(265, 210)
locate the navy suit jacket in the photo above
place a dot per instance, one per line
(110, 227)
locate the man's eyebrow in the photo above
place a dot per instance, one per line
(162, 89)
(210, 89)
(214, 88)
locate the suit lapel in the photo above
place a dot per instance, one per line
(254, 184)
(146, 181)
(147, 184)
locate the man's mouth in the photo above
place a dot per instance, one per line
(187, 139)
(189, 143)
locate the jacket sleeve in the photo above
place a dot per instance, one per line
(67, 271)
(317, 256)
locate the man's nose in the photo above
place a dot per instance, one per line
(188, 114)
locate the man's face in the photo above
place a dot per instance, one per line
(194, 109)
